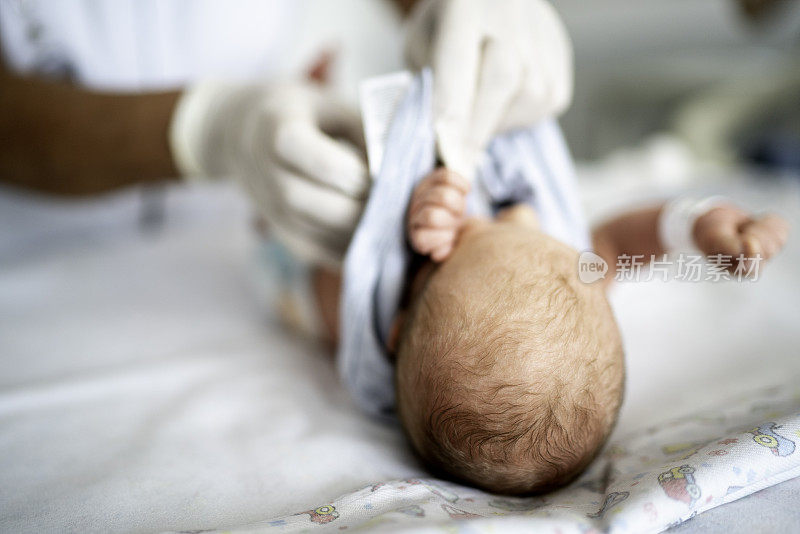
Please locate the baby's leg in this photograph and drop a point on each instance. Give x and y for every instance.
(303, 297)
(435, 214)
(327, 286)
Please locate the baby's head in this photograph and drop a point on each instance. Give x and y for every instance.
(509, 369)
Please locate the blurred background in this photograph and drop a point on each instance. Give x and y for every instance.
(714, 73)
(718, 77)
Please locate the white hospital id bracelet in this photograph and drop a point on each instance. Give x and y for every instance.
(677, 220)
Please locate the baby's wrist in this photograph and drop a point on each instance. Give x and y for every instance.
(678, 218)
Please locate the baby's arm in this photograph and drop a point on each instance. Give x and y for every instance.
(436, 213)
(724, 229)
(633, 233)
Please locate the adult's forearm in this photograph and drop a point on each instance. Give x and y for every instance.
(59, 138)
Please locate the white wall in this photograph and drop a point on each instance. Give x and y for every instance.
(637, 60)
(601, 28)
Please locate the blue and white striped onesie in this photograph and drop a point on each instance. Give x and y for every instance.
(530, 165)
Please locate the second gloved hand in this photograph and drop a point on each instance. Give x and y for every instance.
(297, 149)
(497, 65)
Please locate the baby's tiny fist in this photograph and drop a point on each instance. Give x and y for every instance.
(765, 236)
(436, 213)
(730, 231)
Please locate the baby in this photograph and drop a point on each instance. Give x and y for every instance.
(509, 370)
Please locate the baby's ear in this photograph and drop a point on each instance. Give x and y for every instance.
(394, 332)
(520, 214)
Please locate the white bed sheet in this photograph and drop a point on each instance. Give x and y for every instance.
(144, 386)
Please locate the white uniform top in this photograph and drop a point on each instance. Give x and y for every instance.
(529, 166)
(138, 45)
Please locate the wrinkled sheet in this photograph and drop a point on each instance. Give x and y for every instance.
(145, 387)
(645, 481)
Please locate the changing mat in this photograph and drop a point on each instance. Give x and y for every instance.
(643, 482)
(144, 390)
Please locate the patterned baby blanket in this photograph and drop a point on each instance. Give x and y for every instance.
(646, 481)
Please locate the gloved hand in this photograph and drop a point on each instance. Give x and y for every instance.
(297, 149)
(497, 64)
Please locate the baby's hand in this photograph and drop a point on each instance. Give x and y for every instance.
(436, 213)
(731, 231)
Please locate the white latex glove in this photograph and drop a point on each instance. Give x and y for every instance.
(297, 149)
(497, 65)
